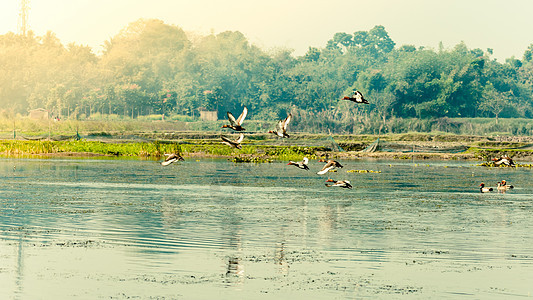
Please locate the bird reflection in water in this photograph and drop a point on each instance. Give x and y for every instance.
(280, 260)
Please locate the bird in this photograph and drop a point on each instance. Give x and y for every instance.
(236, 143)
(330, 164)
(484, 189)
(507, 187)
(236, 124)
(281, 129)
(501, 188)
(356, 97)
(301, 164)
(504, 160)
(341, 183)
(170, 158)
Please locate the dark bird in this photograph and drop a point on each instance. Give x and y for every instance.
(170, 158)
(341, 183)
(236, 124)
(236, 143)
(301, 164)
(330, 165)
(281, 129)
(484, 189)
(356, 97)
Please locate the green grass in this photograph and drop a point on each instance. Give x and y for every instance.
(153, 149)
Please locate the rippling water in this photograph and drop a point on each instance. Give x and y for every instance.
(211, 229)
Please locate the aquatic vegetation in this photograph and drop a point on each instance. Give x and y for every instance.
(491, 164)
(251, 153)
(362, 171)
(251, 159)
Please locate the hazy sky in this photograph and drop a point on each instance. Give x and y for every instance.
(505, 26)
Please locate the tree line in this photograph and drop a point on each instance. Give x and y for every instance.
(151, 67)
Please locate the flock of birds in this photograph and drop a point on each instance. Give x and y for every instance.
(280, 131)
(502, 186)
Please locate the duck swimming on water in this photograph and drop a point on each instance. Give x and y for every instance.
(484, 189)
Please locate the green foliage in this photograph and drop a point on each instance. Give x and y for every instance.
(152, 69)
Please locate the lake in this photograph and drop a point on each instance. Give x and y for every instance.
(213, 229)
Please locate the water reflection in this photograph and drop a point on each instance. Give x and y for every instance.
(266, 230)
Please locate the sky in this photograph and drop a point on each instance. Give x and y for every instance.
(504, 26)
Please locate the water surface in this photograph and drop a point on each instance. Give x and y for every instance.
(212, 229)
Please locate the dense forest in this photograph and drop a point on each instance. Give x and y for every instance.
(154, 68)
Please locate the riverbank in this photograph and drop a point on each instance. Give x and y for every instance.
(259, 147)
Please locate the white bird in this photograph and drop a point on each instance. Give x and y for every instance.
(236, 124)
(330, 164)
(484, 189)
(170, 158)
(341, 183)
(356, 97)
(301, 164)
(281, 129)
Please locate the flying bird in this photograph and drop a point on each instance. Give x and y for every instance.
(301, 164)
(504, 160)
(356, 97)
(170, 158)
(281, 129)
(235, 143)
(341, 183)
(330, 165)
(236, 124)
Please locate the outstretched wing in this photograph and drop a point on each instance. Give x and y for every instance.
(225, 140)
(286, 121)
(231, 119)
(242, 116)
(279, 126)
(330, 165)
(239, 140)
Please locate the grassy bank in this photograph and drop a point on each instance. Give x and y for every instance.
(152, 149)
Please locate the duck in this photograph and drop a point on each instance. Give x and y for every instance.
(170, 158)
(236, 124)
(340, 183)
(504, 160)
(507, 187)
(282, 127)
(356, 97)
(501, 188)
(484, 189)
(330, 164)
(235, 143)
(301, 164)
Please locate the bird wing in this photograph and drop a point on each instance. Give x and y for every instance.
(326, 168)
(286, 121)
(242, 116)
(168, 161)
(231, 119)
(305, 160)
(279, 127)
(239, 140)
(226, 140)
